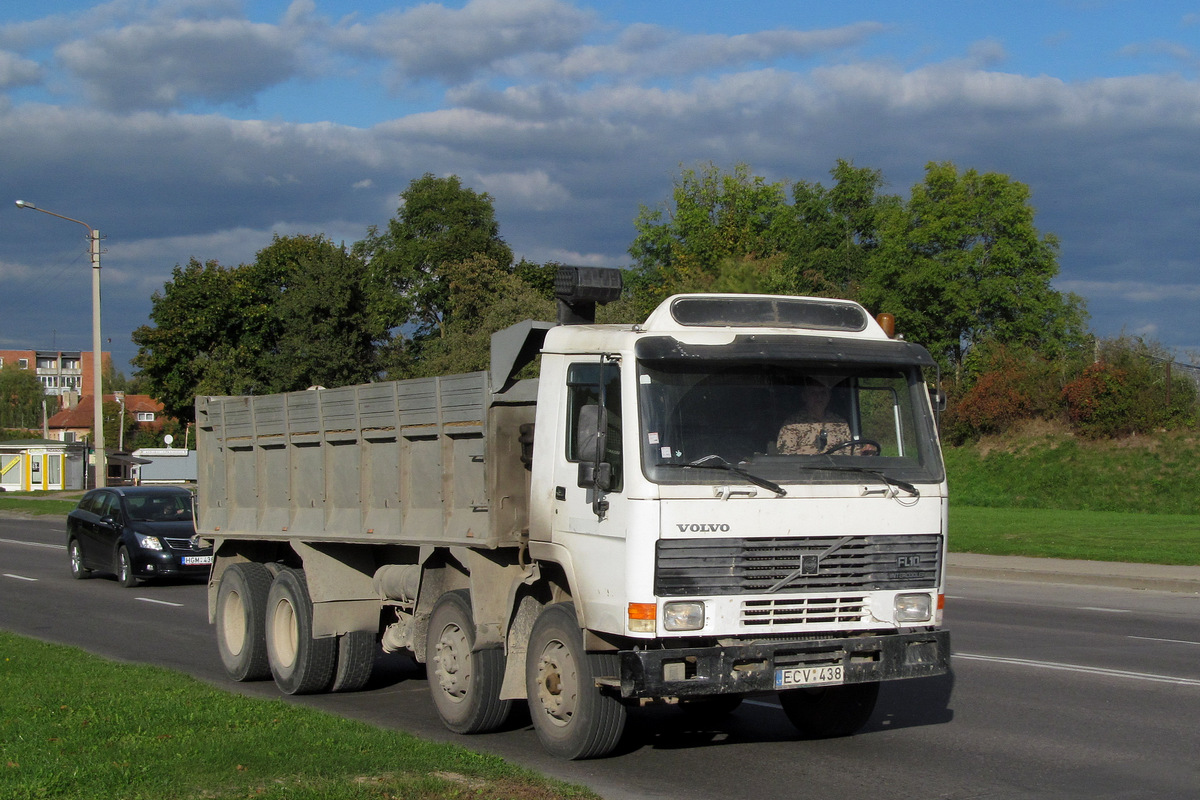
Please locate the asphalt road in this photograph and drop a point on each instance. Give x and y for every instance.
(1058, 692)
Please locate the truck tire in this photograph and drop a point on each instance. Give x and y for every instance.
(241, 621)
(828, 712)
(573, 718)
(464, 682)
(355, 661)
(75, 552)
(299, 663)
(124, 570)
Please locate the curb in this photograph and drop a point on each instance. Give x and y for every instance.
(1111, 574)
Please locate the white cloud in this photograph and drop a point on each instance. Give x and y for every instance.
(16, 71)
(452, 45)
(161, 66)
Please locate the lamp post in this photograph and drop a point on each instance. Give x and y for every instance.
(97, 384)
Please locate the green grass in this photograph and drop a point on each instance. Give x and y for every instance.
(39, 503)
(1046, 494)
(1150, 475)
(73, 725)
(1087, 535)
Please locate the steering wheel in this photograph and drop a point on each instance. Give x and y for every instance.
(855, 443)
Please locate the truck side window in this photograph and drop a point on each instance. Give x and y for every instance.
(587, 383)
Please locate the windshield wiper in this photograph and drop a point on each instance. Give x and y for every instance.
(899, 484)
(716, 462)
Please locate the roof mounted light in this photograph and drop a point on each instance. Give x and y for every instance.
(579, 289)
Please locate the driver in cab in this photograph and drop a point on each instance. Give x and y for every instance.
(814, 429)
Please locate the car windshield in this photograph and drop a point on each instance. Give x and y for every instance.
(785, 422)
(160, 508)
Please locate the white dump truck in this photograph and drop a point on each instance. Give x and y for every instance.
(662, 515)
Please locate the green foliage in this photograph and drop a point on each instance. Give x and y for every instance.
(1130, 390)
(297, 316)
(962, 262)
(439, 223)
(21, 395)
(714, 219)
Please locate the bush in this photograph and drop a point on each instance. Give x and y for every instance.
(1100, 402)
(1001, 387)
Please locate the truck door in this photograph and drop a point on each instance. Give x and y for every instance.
(590, 510)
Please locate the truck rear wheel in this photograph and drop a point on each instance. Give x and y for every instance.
(464, 682)
(299, 663)
(572, 717)
(828, 712)
(241, 621)
(355, 661)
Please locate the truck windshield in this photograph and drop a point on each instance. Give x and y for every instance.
(787, 423)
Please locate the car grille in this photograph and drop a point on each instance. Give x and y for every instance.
(804, 611)
(181, 544)
(797, 564)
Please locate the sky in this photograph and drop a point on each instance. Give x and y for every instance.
(200, 128)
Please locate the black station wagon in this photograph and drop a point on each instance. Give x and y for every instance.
(138, 532)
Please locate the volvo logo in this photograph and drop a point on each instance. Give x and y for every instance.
(702, 527)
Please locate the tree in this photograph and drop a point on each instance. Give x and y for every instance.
(21, 396)
(716, 223)
(439, 223)
(295, 317)
(831, 233)
(962, 262)
(323, 329)
(192, 345)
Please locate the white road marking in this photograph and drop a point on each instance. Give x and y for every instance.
(1111, 673)
(1105, 610)
(159, 602)
(19, 577)
(35, 544)
(1171, 641)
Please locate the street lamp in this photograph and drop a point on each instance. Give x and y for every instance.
(97, 386)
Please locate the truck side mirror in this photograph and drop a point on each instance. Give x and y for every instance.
(591, 430)
(938, 399)
(595, 476)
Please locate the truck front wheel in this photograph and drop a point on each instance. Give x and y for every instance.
(828, 712)
(299, 663)
(464, 682)
(572, 717)
(241, 620)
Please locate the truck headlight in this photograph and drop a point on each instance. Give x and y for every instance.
(683, 616)
(913, 608)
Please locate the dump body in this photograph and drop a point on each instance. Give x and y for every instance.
(396, 462)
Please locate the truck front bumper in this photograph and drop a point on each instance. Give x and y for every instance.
(749, 668)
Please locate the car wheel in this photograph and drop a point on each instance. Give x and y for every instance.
(78, 570)
(299, 663)
(125, 574)
(573, 718)
(241, 621)
(464, 682)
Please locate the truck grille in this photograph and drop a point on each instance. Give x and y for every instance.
(796, 564)
(804, 611)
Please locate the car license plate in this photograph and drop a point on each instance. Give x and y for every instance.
(797, 677)
(191, 561)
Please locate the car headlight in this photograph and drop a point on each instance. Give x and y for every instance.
(913, 608)
(148, 542)
(683, 616)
